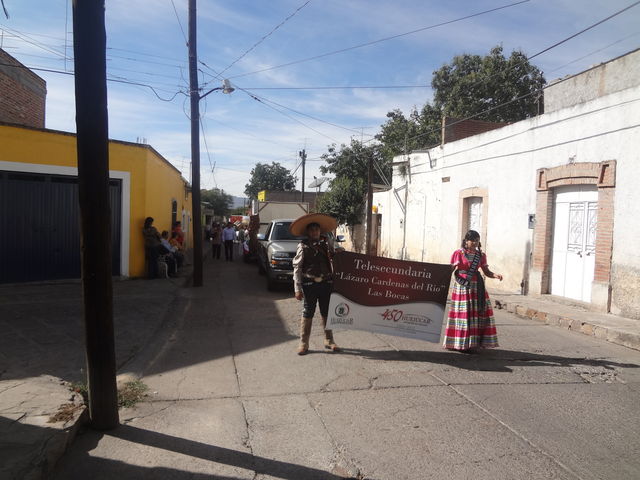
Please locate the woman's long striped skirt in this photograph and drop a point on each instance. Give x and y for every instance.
(469, 324)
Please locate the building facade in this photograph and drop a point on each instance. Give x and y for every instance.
(39, 209)
(553, 196)
(22, 93)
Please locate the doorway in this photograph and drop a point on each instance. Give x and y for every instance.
(574, 241)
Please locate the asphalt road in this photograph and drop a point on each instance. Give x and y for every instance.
(230, 399)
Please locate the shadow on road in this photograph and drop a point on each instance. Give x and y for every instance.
(89, 466)
(495, 360)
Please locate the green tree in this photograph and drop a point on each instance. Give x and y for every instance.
(218, 200)
(403, 135)
(272, 177)
(353, 161)
(472, 84)
(349, 164)
(469, 85)
(345, 199)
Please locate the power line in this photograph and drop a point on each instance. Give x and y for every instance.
(258, 99)
(470, 117)
(585, 30)
(345, 87)
(342, 50)
(309, 116)
(594, 52)
(34, 42)
(179, 23)
(114, 80)
(265, 36)
(206, 147)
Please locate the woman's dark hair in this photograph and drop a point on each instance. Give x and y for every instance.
(473, 236)
(312, 224)
(148, 221)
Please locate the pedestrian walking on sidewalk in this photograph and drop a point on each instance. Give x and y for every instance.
(216, 242)
(228, 237)
(470, 322)
(313, 274)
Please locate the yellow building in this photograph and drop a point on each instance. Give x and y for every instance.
(39, 219)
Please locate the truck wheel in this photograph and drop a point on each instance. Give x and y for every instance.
(261, 270)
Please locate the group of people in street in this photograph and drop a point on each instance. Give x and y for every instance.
(163, 247)
(228, 236)
(470, 322)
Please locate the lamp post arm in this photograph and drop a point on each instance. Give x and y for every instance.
(212, 90)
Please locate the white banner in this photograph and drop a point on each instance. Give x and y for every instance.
(422, 321)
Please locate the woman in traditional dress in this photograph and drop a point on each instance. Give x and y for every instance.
(470, 323)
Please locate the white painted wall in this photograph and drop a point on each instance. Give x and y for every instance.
(504, 162)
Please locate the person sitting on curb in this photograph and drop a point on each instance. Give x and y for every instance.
(313, 274)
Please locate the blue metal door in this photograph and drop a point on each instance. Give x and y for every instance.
(40, 227)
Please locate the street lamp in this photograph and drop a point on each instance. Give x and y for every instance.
(226, 88)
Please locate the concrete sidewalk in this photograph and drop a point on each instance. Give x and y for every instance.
(42, 356)
(561, 313)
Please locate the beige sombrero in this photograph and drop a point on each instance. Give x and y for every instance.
(299, 226)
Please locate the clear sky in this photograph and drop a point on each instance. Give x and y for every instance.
(146, 42)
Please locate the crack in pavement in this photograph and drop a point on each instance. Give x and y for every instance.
(140, 417)
(339, 457)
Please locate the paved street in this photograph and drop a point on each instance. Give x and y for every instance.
(229, 399)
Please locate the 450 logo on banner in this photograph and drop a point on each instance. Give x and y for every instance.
(392, 315)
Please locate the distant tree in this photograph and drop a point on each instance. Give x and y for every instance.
(469, 85)
(352, 161)
(272, 177)
(403, 135)
(218, 200)
(346, 195)
(345, 199)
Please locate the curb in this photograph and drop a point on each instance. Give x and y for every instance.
(604, 332)
(35, 464)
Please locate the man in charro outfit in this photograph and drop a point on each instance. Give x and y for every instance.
(313, 274)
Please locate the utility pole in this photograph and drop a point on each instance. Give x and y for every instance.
(368, 250)
(195, 146)
(303, 156)
(89, 48)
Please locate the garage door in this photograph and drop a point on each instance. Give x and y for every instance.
(40, 227)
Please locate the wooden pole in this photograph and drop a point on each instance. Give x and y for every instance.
(89, 40)
(195, 146)
(368, 250)
(303, 156)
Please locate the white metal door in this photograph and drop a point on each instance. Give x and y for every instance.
(574, 241)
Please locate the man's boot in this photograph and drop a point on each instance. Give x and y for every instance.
(329, 343)
(305, 332)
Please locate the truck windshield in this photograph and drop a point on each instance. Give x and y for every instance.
(281, 232)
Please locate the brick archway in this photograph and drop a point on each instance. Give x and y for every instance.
(603, 176)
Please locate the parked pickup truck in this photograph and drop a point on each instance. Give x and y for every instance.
(276, 249)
